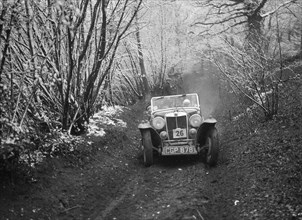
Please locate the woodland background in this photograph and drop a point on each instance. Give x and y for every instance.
(62, 61)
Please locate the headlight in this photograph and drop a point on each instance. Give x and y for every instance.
(195, 120)
(158, 123)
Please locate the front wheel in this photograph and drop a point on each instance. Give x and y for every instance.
(147, 148)
(212, 144)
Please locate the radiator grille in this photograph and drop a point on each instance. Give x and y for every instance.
(175, 122)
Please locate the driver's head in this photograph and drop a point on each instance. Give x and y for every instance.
(186, 103)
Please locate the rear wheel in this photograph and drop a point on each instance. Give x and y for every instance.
(147, 148)
(212, 144)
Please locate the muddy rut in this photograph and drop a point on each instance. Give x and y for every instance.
(171, 189)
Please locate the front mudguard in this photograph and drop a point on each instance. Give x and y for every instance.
(203, 129)
(155, 138)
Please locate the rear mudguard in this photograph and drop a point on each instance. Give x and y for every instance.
(203, 129)
(156, 140)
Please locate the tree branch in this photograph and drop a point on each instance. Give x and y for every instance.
(276, 9)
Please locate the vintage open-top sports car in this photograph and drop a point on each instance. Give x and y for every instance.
(177, 127)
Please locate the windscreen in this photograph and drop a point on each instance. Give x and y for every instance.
(166, 102)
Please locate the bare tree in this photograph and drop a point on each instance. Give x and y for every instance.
(57, 63)
(240, 14)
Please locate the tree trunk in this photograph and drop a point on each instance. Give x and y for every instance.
(146, 94)
(69, 77)
(255, 31)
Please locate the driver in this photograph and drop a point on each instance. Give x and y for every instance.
(186, 103)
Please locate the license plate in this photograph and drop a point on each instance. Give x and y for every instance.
(178, 150)
(179, 133)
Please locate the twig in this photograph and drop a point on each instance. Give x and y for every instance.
(74, 207)
(199, 214)
(19, 97)
(26, 108)
(74, 119)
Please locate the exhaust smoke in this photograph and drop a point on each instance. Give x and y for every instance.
(201, 79)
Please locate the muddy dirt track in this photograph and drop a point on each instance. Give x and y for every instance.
(172, 189)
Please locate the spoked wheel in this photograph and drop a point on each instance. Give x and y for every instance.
(212, 144)
(147, 148)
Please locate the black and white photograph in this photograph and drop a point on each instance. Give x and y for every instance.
(151, 109)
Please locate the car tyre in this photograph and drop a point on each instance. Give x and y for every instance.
(147, 148)
(212, 144)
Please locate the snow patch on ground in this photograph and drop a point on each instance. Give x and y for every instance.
(105, 117)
